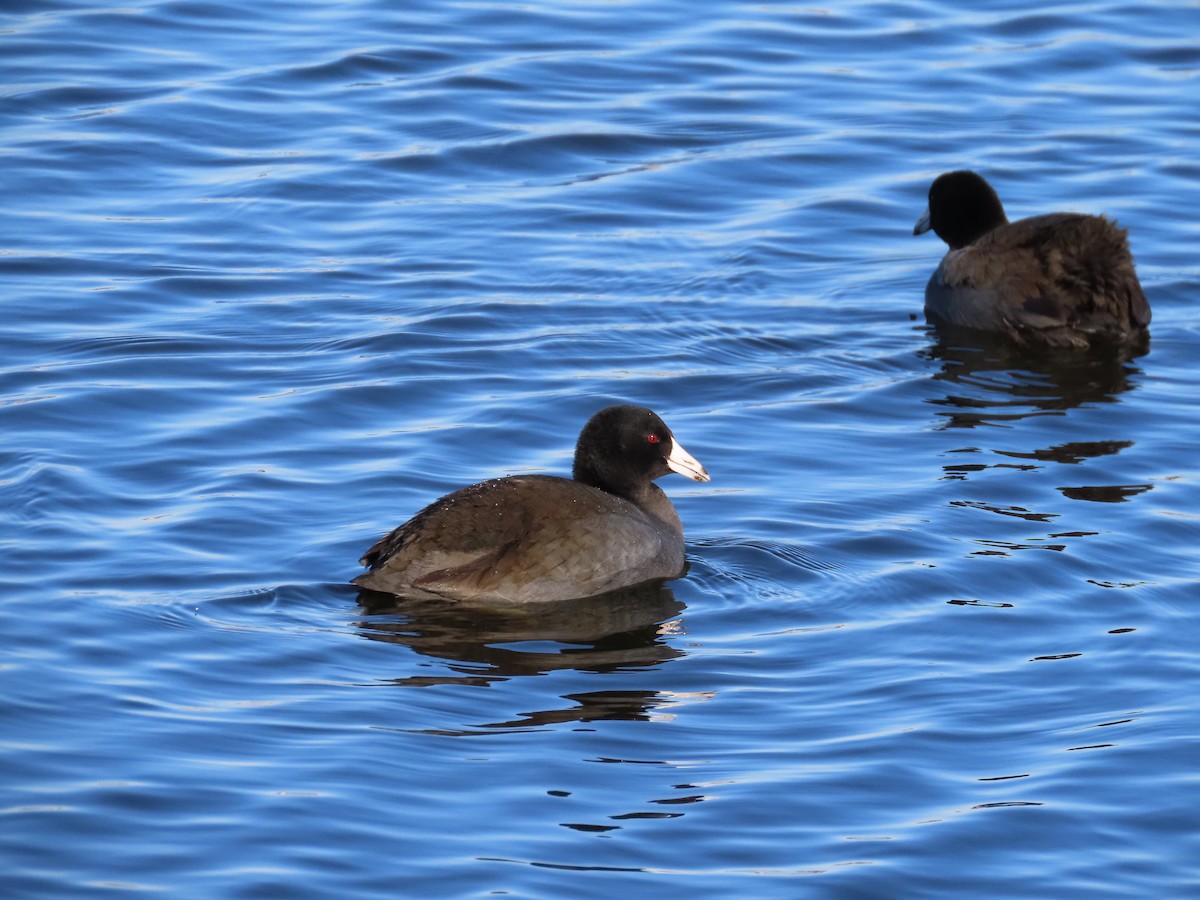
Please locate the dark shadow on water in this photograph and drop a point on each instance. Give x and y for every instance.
(592, 706)
(1105, 493)
(990, 381)
(621, 629)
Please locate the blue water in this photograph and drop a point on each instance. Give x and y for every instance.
(276, 275)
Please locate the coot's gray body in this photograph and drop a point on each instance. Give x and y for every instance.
(540, 538)
(1057, 280)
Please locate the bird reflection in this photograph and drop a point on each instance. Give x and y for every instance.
(593, 706)
(1105, 493)
(990, 381)
(620, 629)
(1071, 452)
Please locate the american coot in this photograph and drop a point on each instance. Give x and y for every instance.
(1059, 280)
(539, 538)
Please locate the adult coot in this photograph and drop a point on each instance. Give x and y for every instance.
(538, 538)
(1059, 280)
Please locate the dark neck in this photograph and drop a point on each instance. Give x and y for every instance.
(611, 482)
(971, 231)
(644, 494)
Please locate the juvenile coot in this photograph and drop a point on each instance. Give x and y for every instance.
(1058, 280)
(539, 538)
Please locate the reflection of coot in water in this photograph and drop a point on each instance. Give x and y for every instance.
(540, 538)
(620, 628)
(1105, 493)
(989, 380)
(1060, 280)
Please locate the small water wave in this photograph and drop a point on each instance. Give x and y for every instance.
(278, 276)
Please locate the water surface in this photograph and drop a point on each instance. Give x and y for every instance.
(277, 276)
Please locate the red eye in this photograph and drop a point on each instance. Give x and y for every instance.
(652, 438)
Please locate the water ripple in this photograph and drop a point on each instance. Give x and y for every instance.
(278, 276)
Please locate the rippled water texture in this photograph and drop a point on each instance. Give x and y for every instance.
(278, 274)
